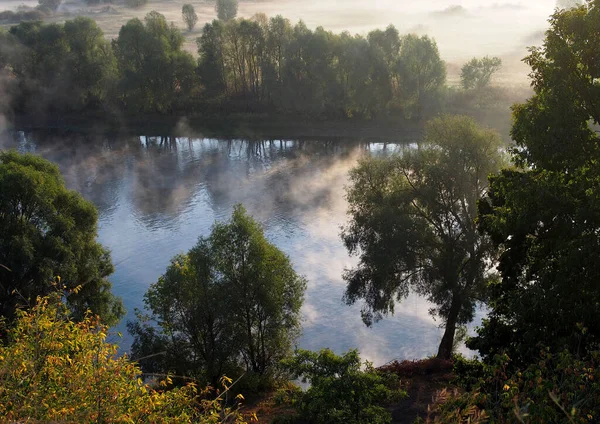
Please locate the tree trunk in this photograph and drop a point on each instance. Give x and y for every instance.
(445, 349)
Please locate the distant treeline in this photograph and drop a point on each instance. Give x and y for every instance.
(257, 65)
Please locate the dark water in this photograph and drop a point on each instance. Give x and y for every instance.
(156, 196)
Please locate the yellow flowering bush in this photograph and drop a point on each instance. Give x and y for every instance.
(55, 369)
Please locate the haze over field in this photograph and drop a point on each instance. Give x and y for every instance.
(462, 28)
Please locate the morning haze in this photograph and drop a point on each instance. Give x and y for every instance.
(391, 202)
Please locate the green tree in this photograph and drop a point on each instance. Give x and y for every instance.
(233, 301)
(544, 215)
(60, 67)
(156, 74)
(412, 223)
(49, 4)
(48, 231)
(189, 16)
(477, 73)
(421, 73)
(341, 391)
(135, 3)
(226, 9)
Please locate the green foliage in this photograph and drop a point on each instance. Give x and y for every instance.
(57, 370)
(544, 216)
(262, 63)
(412, 224)
(226, 9)
(421, 72)
(245, 65)
(189, 16)
(155, 72)
(233, 301)
(555, 388)
(68, 66)
(49, 4)
(340, 391)
(47, 231)
(477, 73)
(135, 3)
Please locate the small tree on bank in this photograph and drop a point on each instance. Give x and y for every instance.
(226, 9)
(232, 302)
(189, 16)
(412, 223)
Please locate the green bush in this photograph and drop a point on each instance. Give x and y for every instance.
(557, 388)
(340, 391)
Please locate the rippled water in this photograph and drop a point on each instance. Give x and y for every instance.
(156, 196)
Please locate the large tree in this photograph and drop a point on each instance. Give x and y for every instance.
(47, 231)
(544, 216)
(412, 224)
(155, 71)
(232, 301)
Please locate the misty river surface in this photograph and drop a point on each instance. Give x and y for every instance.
(157, 195)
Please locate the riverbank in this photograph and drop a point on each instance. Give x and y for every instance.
(246, 126)
(428, 383)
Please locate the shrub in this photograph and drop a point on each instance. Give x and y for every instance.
(56, 369)
(557, 388)
(340, 390)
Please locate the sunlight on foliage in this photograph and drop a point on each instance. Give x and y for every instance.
(55, 369)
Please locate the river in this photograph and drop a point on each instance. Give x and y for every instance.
(157, 195)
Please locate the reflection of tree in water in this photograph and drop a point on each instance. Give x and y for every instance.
(88, 163)
(162, 177)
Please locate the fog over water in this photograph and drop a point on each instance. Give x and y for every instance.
(156, 196)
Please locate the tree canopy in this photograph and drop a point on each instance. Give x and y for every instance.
(544, 215)
(226, 9)
(155, 71)
(412, 224)
(47, 231)
(189, 16)
(232, 302)
(477, 73)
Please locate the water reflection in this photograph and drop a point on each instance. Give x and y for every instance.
(157, 195)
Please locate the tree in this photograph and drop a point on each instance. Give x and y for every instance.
(421, 73)
(226, 9)
(477, 73)
(48, 231)
(412, 224)
(135, 3)
(232, 301)
(51, 5)
(341, 391)
(155, 71)
(544, 215)
(189, 16)
(57, 370)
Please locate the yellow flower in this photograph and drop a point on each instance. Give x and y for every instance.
(506, 387)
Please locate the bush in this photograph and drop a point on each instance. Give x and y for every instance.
(56, 369)
(557, 388)
(340, 391)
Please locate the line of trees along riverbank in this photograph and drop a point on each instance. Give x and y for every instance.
(245, 65)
